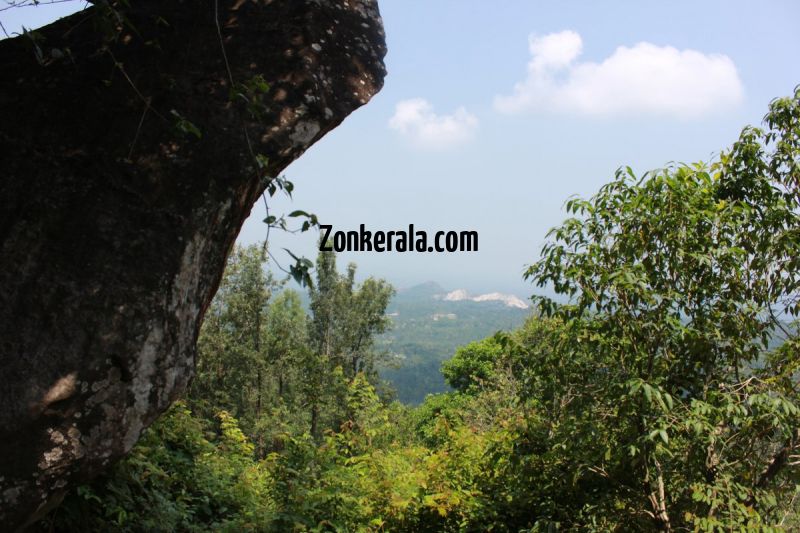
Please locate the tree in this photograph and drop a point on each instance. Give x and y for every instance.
(472, 364)
(133, 149)
(673, 407)
(287, 339)
(345, 318)
(233, 368)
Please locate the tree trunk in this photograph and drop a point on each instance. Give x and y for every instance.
(127, 166)
(314, 420)
(259, 379)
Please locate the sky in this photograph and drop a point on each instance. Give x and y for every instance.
(494, 113)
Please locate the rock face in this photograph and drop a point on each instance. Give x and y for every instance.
(509, 300)
(127, 166)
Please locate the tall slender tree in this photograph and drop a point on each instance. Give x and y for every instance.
(233, 361)
(346, 317)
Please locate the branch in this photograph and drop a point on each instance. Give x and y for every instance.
(776, 464)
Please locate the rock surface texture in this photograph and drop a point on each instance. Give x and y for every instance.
(127, 166)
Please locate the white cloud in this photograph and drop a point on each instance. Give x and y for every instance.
(642, 79)
(416, 120)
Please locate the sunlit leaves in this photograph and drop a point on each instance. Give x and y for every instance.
(675, 286)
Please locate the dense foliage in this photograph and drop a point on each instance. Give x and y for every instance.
(660, 393)
(272, 366)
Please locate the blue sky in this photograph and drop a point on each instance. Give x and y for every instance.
(508, 108)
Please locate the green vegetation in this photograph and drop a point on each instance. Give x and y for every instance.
(420, 344)
(275, 368)
(660, 395)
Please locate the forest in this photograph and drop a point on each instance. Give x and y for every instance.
(426, 330)
(658, 391)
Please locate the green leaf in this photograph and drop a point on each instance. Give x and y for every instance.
(184, 126)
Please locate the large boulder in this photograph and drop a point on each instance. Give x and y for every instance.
(128, 162)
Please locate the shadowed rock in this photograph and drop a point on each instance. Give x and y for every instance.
(125, 176)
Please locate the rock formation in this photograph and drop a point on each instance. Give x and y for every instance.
(131, 150)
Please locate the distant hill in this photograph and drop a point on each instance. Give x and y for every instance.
(429, 323)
